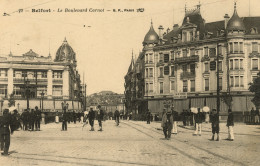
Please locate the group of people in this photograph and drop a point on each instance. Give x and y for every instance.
(254, 116)
(31, 119)
(170, 118)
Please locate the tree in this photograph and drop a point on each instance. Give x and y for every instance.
(255, 88)
(11, 101)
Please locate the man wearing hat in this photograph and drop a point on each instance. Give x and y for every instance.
(215, 124)
(37, 119)
(100, 115)
(5, 126)
(167, 123)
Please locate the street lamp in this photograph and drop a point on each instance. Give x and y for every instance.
(27, 92)
(42, 95)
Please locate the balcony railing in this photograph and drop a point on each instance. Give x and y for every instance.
(4, 79)
(31, 80)
(185, 75)
(193, 58)
(58, 80)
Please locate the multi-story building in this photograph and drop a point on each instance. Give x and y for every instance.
(37, 77)
(180, 65)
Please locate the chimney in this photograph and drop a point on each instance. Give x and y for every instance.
(226, 19)
(160, 31)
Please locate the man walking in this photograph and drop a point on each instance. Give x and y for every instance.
(148, 116)
(117, 115)
(167, 123)
(32, 119)
(91, 118)
(215, 124)
(37, 119)
(5, 126)
(100, 115)
(64, 119)
(198, 121)
(230, 125)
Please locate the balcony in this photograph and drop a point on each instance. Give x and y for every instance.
(57, 80)
(187, 75)
(31, 80)
(193, 58)
(3, 79)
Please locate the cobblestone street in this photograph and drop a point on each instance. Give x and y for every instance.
(131, 143)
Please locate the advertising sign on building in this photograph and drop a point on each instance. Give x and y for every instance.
(180, 95)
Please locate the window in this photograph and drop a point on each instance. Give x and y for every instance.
(212, 52)
(220, 50)
(184, 68)
(241, 80)
(146, 58)
(166, 58)
(184, 53)
(3, 90)
(236, 48)
(254, 47)
(151, 87)
(150, 72)
(161, 87)
(146, 88)
(241, 64)
(44, 74)
(207, 84)
(192, 68)
(172, 70)
(220, 66)
(206, 49)
(192, 51)
(41, 89)
(146, 72)
(191, 36)
(254, 64)
(172, 85)
(220, 83)
(231, 64)
(3, 73)
(184, 37)
(236, 64)
(57, 74)
(161, 72)
(241, 49)
(236, 81)
(161, 58)
(231, 47)
(172, 55)
(17, 91)
(185, 86)
(166, 70)
(206, 67)
(150, 58)
(192, 85)
(57, 90)
(231, 81)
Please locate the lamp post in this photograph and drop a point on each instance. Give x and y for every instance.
(27, 92)
(42, 96)
(218, 90)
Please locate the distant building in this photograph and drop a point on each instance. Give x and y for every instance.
(179, 65)
(39, 77)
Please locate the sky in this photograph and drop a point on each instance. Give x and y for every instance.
(104, 45)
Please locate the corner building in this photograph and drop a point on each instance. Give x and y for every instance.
(180, 65)
(55, 81)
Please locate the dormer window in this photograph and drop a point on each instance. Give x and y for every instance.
(184, 37)
(253, 31)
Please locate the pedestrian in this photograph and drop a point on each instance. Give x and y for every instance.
(5, 126)
(167, 123)
(252, 113)
(32, 119)
(214, 124)
(37, 119)
(64, 119)
(117, 115)
(175, 120)
(183, 117)
(25, 119)
(57, 117)
(148, 116)
(100, 115)
(198, 121)
(91, 118)
(257, 116)
(230, 125)
(74, 116)
(191, 117)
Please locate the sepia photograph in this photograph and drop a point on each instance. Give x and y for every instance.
(129, 82)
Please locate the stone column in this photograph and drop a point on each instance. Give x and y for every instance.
(10, 82)
(49, 85)
(65, 89)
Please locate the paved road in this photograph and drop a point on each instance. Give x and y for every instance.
(131, 143)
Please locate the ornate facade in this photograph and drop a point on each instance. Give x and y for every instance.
(37, 77)
(181, 65)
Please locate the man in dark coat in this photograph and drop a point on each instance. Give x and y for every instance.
(37, 119)
(32, 119)
(64, 119)
(215, 124)
(25, 119)
(167, 123)
(91, 118)
(198, 120)
(100, 116)
(5, 126)
(117, 115)
(230, 125)
(148, 116)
